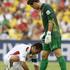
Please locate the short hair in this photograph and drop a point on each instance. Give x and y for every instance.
(30, 2)
(38, 46)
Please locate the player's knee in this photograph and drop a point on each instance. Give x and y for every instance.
(58, 52)
(45, 55)
(14, 58)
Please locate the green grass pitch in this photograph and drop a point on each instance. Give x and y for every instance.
(51, 66)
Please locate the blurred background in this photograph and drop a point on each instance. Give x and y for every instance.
(20, 22)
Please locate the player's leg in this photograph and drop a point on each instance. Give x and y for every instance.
(36, 66)
(56, 47)
(44, 61)
(15, 58)
(9, 60)
(60, 59)
(16, 66)
(35, 62)
(45, 54)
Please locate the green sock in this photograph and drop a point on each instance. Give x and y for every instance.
(62, 62)
(43, 64)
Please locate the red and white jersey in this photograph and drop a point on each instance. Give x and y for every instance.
(20, 50)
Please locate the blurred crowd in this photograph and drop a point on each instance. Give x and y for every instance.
(19, 21)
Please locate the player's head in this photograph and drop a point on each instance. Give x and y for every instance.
(36, 48)
(34, 3)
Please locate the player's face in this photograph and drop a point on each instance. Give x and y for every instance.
(35, 51)
(36, 5)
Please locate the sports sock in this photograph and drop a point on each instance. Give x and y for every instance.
(62, 62)
(43, 64)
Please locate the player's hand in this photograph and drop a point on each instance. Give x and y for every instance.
(42, 35)
(29, 56)
(48, 37)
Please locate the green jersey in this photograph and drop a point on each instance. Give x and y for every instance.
(48, 15)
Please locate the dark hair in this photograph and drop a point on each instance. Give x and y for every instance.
(30, 2)
(38, 46)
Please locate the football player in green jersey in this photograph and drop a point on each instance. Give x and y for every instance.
(52, 37)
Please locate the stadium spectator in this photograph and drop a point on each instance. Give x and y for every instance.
(12, 11)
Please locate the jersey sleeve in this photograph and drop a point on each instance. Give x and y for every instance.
(50, 13)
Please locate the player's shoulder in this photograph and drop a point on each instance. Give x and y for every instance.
(26, 44)
(46, 7)
(45, 4)
(23, 45)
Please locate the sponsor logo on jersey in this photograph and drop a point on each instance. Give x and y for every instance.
(48, 12)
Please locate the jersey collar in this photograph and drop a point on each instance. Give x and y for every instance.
(42, 6)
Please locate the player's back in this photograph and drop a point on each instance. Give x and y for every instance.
(48, 15)
(17, 49)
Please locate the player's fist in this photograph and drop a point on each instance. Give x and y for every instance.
(42, 35)
(48, 37)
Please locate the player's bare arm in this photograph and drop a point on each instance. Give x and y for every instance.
(14, 58)
(24, 65)
(50, 26)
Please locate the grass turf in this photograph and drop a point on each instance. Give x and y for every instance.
(51, 66)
